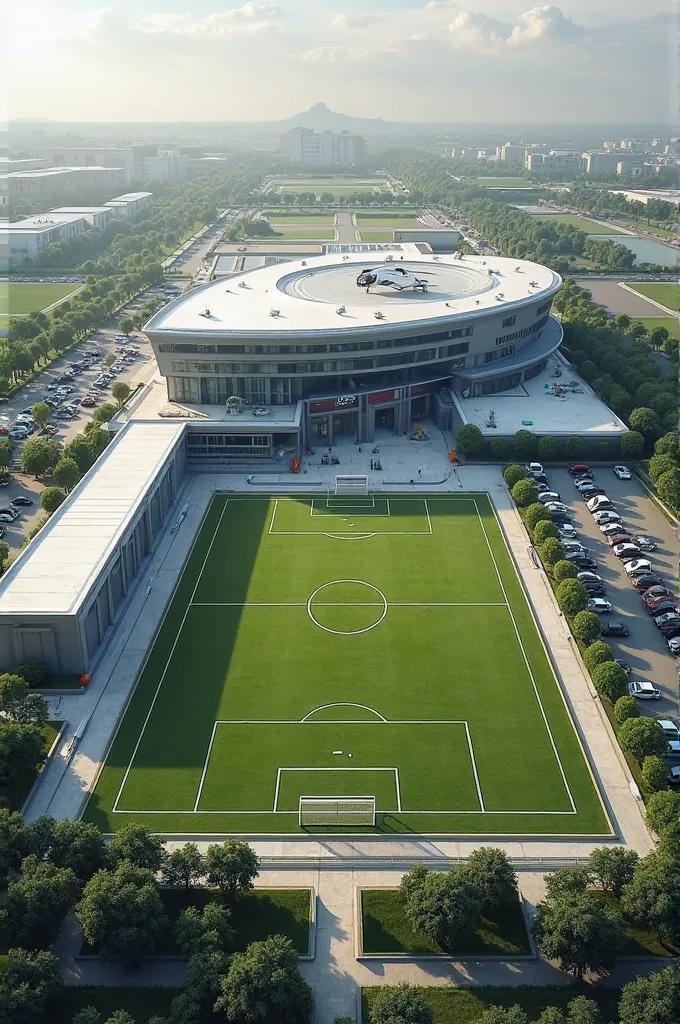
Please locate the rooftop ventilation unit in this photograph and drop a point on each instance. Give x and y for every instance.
(378, 315)
(340, 310)
(275, 312)
(204, 312)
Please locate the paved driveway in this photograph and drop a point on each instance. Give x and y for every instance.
(645, 649)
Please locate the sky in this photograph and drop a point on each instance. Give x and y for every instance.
(406, 60)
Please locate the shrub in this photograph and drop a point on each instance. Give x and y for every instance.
(524, 493)
(632, 443)
(470, 439)
(660, 464)
(625, 707)
(535, 514)
(586, 626)
(525, 443)
(668, 487)
(563, 570)
(597, 654)
(669, 444)
(501, 448)
(663, 810)
(572, 597)
(610, 679)
(551, 552)
(513, 473)
(574, 447)
(32, 670)
(548, 448)
(544, 528)
(641, 737)
(654, 770)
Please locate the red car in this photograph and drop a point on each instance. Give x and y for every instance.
(579, 468)
(618, 538)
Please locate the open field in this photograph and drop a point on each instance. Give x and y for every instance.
(326, 184)
(399, 217)
(452, 1005)
(665, 292)
(388, 222)
(377, 235)
(653, 229)
(504, 183)
(285, 219)
(26, 297)
(349, 647)
(671, 324)
(582, 223)
(289, 234)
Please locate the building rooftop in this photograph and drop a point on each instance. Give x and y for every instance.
(531, 406)
(55, 572)
(321, 294)
(131, 197)
(44, 221)
(80, 209)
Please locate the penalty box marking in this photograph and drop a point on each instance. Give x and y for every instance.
(279, 771)
(338, 515)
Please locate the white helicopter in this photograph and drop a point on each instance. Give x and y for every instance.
(391, 276)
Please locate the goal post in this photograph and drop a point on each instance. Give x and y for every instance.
(351, 484)
(336, 810)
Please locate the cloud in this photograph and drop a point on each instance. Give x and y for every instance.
(351, 22)
(335, 54)
(252, 17)
(544, 23)
(482, 32)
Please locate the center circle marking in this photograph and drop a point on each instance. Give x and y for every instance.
(347, 632)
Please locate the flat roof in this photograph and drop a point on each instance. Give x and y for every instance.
(55, 572)
(43, 221)
(130, 197)
(321, 294)
(81, 209)
(531, 406)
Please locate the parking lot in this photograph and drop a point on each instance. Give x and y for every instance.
(645, 648)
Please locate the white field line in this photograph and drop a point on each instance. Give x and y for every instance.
(382, 811)
(205, 766)
(349, 604)
(271, 524)
(169, 658)
(279, 772)
(427, 513)
(526, 662)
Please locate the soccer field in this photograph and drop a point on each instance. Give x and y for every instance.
(349, 647)
(26, 297)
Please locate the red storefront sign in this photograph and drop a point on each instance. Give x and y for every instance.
(418, 389)
(381, 396)
(332, 404)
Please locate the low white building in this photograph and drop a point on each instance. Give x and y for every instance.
(131, 204)
(21, 241)
(97, 216)
(646, 195)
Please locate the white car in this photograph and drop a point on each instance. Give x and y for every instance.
(599, 504)
(608, 515)
(535, 468)
(622, 472)
(566, 530)
(387, 276)
(546, 497)
(574, 545)
(599, 605)
(643, 690)
(626, 550)
(609, 529)
(637, 566)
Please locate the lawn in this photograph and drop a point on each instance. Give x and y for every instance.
(27, 297)
(466, 1005)
(303, 233)
(398, 216)
(376, 236)
(669, 322)
(140, 1003)
(254, 916)
(330, 668)
(385, 929)
(17, 792)
(653, 229)
(665, 292)
(277, 219)
(638, 941)
(390, 223)
(582, 223)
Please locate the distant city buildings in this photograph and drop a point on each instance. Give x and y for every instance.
(562, 159)
(511, 154)
(305, 146)
(50, 184)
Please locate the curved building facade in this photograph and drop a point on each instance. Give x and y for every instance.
(359, 357)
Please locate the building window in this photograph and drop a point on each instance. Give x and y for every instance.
(490, 357)
(544, 308)
(183, 389)
(179, 367)
(457, 350)
(507, 351)
(509, 321)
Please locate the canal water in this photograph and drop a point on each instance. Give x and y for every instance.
(646, 250)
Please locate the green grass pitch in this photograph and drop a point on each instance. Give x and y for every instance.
(305, 630)
(28, 296)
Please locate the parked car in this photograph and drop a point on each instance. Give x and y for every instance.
(612, 529)
(657, 593)
(627, 668)
(674, 644)
(599, 503)
(626, 550)
(566, 530)
(591, 577)
(650, 579)
(582, 561)
(594, 589)
(674, 775)
(622, 472)
(637, 567)
(21, 500)
(534, 468)
(607, 515)
(599, 606)
(556, 506)
(660, 618)
(645, 543)
(558, 516)
(643, 690)
(614, 539)
(549, 496)
(663, 606)
(6, 519)
(589, 491)
(614, 627)
(574, 545)
(578, 468)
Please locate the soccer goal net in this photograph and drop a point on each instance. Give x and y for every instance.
(348, 484)
(336, 810)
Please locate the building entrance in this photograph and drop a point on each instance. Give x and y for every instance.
(384, 418)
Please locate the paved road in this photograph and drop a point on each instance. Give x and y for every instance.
(645, 648)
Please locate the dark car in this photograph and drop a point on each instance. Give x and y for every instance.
(21, 500)
(579, 468)
(540, 478)
(592, 492)
(594, 589)
(614, 627)
(558, 516)
(674, 776)
(662, 607)
(657, 593)
(582, 561)
(670, 633)
(624, 665)
(649, 579)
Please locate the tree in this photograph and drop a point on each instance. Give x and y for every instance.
(22, 749)
(136, 844)
(231, 866)
(265, 984)
(400, 1004)
(78, 845)
(14, 842)
(31, 669)
(121, 392)
(110, 358)
(564, 570)
(121, 912)
(37, 904)
(500, 448)
(80, 450)
(669, 444)
(183, 866)
(470, 440)
(504, 1015)
(51, 498)
(660, 464)
(597, 654)
(574, 447)
(39, 455)
(586, 627)
(514, 473)
(66, 473)
(524, 493)
(663, 810)
(668, 487)
(548, 448)
(652, 898)
(88, 1015)
(127, 326)
(654, 999)
(551, 552)
(535, 514)
(610, 679)
(579, 932)
(493, 876)
(18, 704)
(641, 737)
(525, 443)
(632, 443)
(41, 413)
(646, 422)
(613, 867)
(5, 452)
(104, 413)
(569, 881)
(443, 905)
(572, 596)
(655, 771)
(33, 982)
(202, 931)
(626, 707)
(544, 529)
